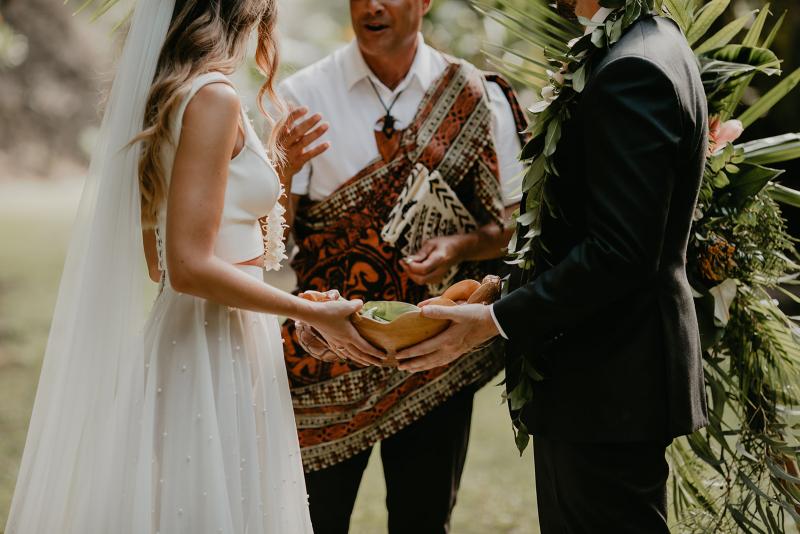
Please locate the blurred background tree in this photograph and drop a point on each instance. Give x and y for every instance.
(53, 65)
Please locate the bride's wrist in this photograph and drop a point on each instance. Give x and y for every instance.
(305, 310)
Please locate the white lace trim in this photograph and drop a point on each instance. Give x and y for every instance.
(272, 228)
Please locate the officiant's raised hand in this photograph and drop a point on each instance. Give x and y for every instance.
(472, 325)
(296, 133)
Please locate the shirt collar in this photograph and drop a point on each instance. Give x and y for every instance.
(356, 69)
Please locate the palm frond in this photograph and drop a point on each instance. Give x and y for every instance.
(707, 15)
(679, 10)
(774, 32)
(784, 195)
(770, 150)
(725, 35)
(754, 33)
(766, 102)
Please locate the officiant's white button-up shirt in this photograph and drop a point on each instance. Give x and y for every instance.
(338, 88)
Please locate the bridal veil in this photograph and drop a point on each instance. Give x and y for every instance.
(84, 433)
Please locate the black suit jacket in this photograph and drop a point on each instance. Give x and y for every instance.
(609, 318)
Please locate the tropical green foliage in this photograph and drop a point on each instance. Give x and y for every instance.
(740, 473)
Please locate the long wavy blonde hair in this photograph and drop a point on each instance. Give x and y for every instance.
(204, 36)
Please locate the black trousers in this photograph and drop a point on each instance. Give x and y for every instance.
(422, 465)
(597, 488)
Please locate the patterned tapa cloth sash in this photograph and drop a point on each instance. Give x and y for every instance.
(342, 409)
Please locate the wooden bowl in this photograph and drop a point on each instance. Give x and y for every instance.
(397, 325)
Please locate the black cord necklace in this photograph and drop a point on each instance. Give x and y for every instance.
(388, 128)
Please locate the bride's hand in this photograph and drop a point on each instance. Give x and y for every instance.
(332, 320)
(314, 344)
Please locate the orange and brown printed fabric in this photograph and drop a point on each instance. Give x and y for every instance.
(342, 409)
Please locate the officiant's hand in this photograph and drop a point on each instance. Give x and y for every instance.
(295, 135)
(472, 325)
(332, 320)
(434, 259)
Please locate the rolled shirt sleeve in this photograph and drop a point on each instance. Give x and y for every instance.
(507, 145)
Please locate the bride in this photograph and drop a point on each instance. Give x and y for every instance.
(185, 424)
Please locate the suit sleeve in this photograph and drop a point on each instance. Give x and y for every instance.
(630, 142)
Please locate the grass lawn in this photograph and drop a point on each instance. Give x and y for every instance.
(497, 489)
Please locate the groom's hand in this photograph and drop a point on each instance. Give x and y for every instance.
(472, 325)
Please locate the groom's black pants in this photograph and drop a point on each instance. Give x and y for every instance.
(595, 488)
(422, 466)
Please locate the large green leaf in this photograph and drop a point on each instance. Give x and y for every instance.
(772, 149)
(735, 60)
(784, 194)
(727, 70)
(754, 33)
(774, 33)
(766, 102)
(749, 181)
(679, 10)
(710, 332)
(705, 18)
(750, 39)
(725, 35)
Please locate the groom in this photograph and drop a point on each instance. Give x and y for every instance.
(608, 318)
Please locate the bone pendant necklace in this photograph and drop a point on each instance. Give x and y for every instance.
(388, 121)
(388, 137)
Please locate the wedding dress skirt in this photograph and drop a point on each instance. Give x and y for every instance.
(218, 422)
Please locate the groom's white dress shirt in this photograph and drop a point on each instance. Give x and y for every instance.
(338, 88)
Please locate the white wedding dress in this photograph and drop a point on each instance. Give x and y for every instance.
(218, 418)
(182, 425)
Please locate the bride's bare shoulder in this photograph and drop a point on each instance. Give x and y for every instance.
(215, 104)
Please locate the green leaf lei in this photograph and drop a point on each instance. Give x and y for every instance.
(559, 99)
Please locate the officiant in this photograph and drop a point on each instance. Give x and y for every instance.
(402, 167)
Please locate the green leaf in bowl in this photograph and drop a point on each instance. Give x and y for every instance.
(386, 311)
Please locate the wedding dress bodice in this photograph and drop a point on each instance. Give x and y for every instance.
(252, 192)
